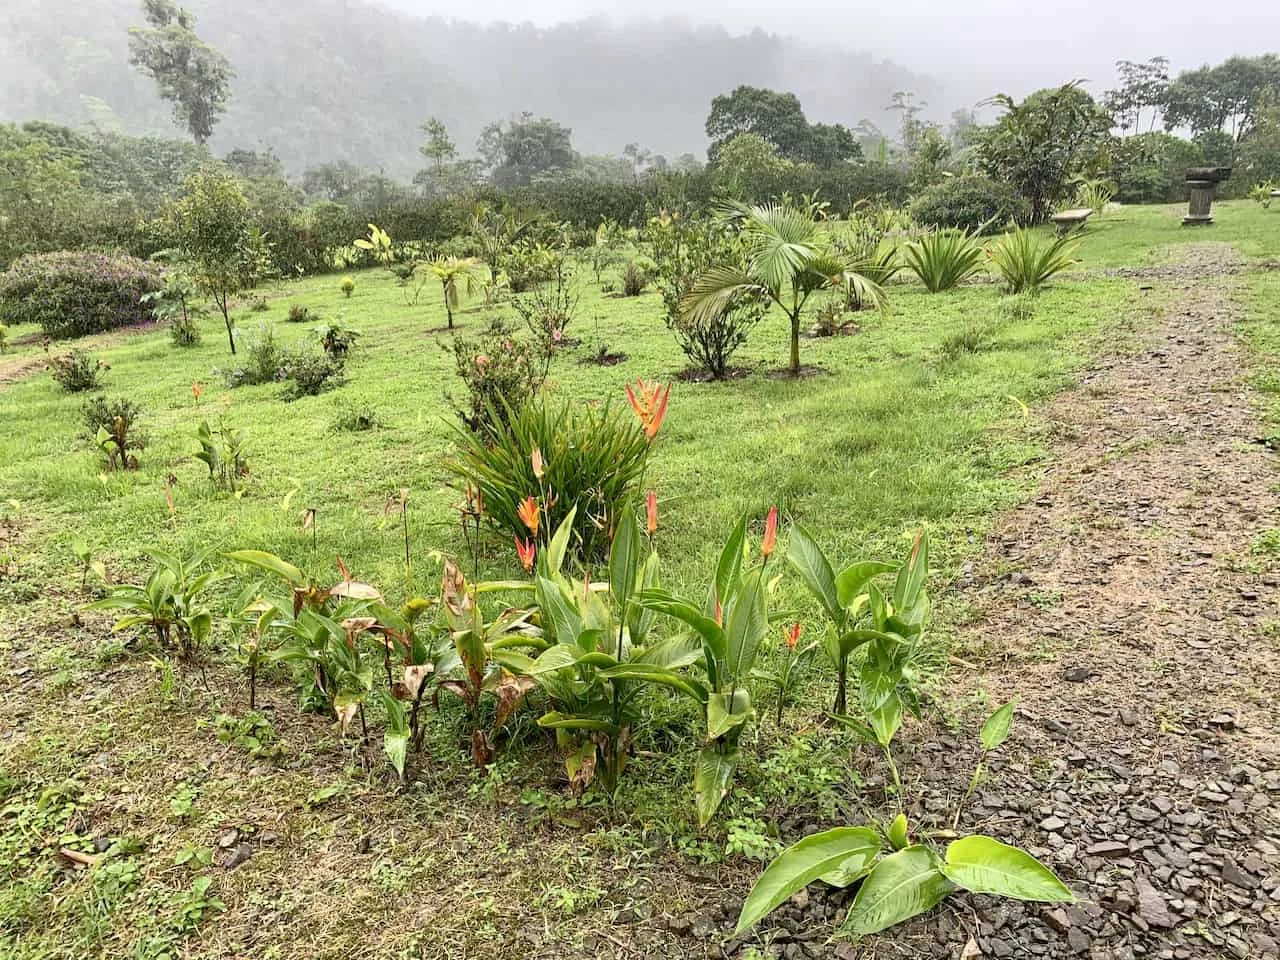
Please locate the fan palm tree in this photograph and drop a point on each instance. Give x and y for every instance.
(787, 258)
(459, 277)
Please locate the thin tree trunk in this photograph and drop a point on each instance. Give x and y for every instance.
(795, 344)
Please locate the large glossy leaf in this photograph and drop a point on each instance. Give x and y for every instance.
(560, 621)
(854, 578)
(852, 848)
(650, 673)
(808, 560)
(729, 566)
(711, 775)
(902, 885)
(271, 563)
(559, 721)
(711, 632)
(897, 832)
(624, 555)
(746, 625)
(983, 865)
(996, 729)
(912, 574)
(726, 711)
(551, 559)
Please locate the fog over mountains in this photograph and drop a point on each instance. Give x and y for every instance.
(321, 80)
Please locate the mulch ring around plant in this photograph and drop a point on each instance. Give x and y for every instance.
(604, 359)
(695, 375)
(806, 371)
(1122, 609)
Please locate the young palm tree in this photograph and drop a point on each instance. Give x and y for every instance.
(459, 277)
(787, 258)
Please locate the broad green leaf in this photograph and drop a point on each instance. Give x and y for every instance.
(897, 832)
(799, 865)
(856, 725)
(560, 620)
(729, 567)
(746, 624)
(711, 775)
(983, 865)
(710, 631)
(912, 574)
(553, 555)
(271, 563)
(902, 885)
(624, 555)
(854, 578)
(996, 729)
(726, 711)
(846, 643)
(560, 721)
(674, 652)
(651, 673)
(808, 560)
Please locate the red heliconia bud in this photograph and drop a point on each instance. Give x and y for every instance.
(651, 512)
(770, 533)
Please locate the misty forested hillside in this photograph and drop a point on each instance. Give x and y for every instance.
(321, 80)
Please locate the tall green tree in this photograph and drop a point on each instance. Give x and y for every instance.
(1142, 86)
(518, 151)
(190, 74)
(1223, 98)
(779, 119)
(1041, 144)
(787, 258)
(212, 222)
(439, 149)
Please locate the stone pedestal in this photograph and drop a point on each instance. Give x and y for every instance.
(1200, 209)
(1203, 183)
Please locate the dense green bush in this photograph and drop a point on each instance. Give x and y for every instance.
(968, 203)
(74, 294)
(1152, 167)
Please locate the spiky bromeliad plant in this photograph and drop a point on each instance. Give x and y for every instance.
(1027, 262)
(787, 258)
(898, 878)
(943, 259)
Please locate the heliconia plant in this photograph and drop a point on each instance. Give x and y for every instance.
(901, 878)
(599, 659)
(730, 626)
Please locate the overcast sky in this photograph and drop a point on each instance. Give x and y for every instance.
(974, 47)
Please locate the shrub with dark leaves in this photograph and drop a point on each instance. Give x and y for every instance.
(972, 203)
(501, 373)
(77, 371)
(73, 294)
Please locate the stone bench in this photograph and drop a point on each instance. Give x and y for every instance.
(1068, 220)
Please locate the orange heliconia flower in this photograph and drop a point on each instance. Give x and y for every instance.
(649, 401)
(770, 533)
(793, 636)
(528, 514)
(197, 388)
(651, 512)
(525, 550)
(536, 459)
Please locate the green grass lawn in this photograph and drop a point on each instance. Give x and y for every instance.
(925, 417)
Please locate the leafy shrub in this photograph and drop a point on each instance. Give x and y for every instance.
(335, 339)
(972, 203)
(301, 314)
(112, 425)
(830, 320)
(77, 371)
(591, 457)
(943, 258)
(74, 294)
(1027, 262)
(683, 249)
(548, 308)
(355, 417)
(308, 370)
(177, 303)
(348, 287)
(634, 280)
(259, 305)
(263, 358)
(4, 337)
(501, 373)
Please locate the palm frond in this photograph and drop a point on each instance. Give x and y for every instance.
(716, 290)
